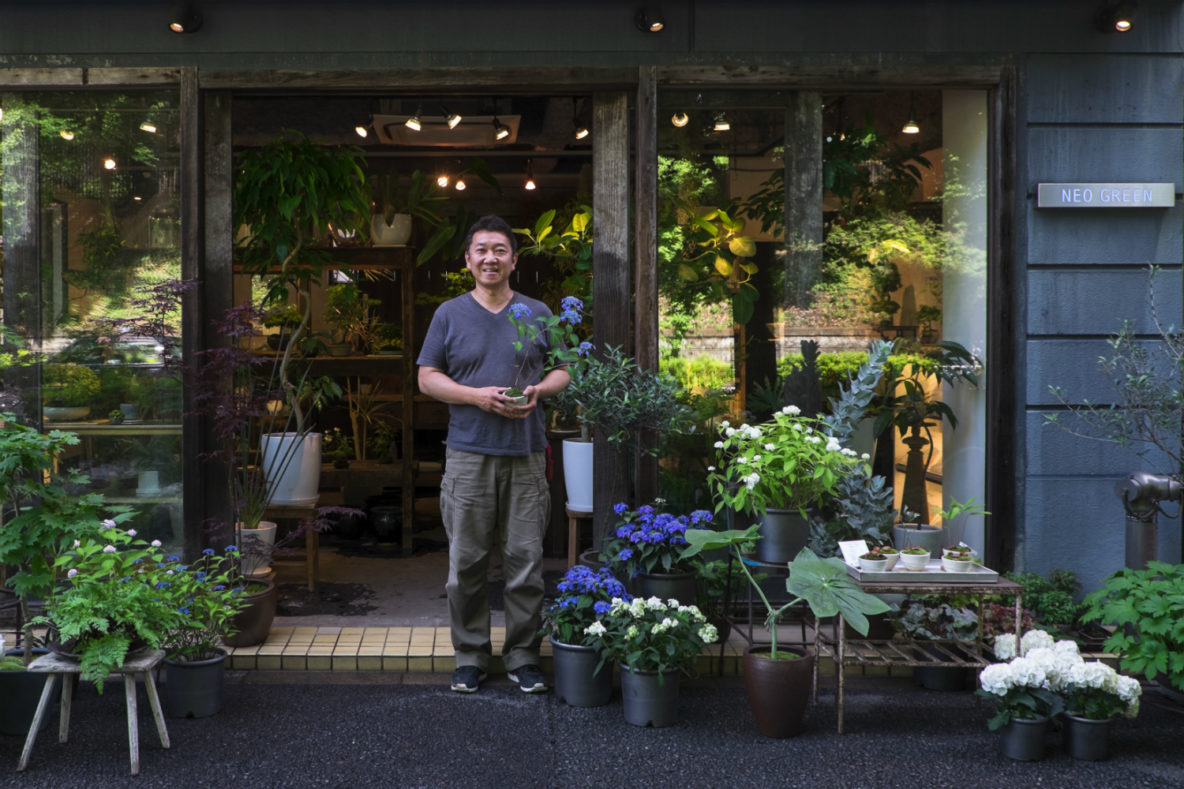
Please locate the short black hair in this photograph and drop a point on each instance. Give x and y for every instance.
(494, 224)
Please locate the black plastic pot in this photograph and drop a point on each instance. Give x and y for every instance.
(193, 689)
(19, 693)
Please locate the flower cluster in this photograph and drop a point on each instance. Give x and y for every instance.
(788, 462)
(207, 597)
(1048, 676)
(556, 335)
(652, 634)
(338, 445)
(648, 541)
(584, 596)
(112, 599)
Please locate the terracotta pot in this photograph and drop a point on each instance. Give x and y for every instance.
(778, 690)
(253, 623)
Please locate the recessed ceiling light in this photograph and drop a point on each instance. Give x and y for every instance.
(680, 119)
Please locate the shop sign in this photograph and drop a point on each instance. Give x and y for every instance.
(1099, 195)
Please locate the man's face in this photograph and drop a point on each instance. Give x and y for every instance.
(489, 257)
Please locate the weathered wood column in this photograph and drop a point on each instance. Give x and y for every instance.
(645, 218)
(803, 195)
(610, 283)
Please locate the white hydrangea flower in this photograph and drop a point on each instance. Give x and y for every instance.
(597, 628)
(632, 632)
(73, 572)
(725, 424)
(708, 634)
(1005, 646)
(770, 447)
(996, 678)
(814, 439)
(731, 431)
(751, 480)
(710, 469)
(1034, 639)
(655, 604)
(719, 445)
(756, 458)
(156, 543)
(131, 532)
(109, 549)
(865, 456)
(833, 445)
(792, 410)
(847, 452)
(1066, 646)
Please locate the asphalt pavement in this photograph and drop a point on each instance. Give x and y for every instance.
(308, 729)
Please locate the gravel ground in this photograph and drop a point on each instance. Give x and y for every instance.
(312, 729)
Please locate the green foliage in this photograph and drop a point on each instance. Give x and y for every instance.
(111, 598)
(701, 374)
(907, 407)
(565, 237)
(351, 313)
(207, 595)
(1050, 599)
(823, 584)
(68, 384)
(936, 619)
(620, 400)
(1145, 606)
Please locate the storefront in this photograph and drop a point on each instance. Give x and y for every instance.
(937, 121)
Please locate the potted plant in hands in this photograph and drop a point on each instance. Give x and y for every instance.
(778, 681)
(777, 470)
(647, 549)
(288, 193)
(581, 678)
(45, 512)
(654, 641)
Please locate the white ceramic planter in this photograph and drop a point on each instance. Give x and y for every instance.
(892, 559)
(873, 565)
(577, 474)
(395, 234)
(914, 562)
(292, 466)
(255, 547)
(953, 566)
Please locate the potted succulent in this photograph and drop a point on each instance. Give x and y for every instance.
(878, 559)
(956, 562)
(208, 595)
(777, 470)
(46, 509)
(67, 391)
(288, 193)
(778, 681)
(653, 640)
(581, 678)
(647, 548)
(914, 558)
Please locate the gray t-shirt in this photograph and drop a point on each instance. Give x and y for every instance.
(475, 347)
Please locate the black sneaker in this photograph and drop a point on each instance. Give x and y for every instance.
(529, 678)
(467, 679)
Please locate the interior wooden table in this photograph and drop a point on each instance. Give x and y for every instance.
(872, 652)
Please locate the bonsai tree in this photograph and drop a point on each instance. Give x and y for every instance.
(67, 385)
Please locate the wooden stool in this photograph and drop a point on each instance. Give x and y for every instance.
(573, 532)
(59, 667)
(312, 539)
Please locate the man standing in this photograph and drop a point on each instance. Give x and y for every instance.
(494, 491)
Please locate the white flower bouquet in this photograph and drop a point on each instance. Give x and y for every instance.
(652, 634)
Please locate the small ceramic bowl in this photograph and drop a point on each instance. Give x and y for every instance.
(873, 565)
(914, 562)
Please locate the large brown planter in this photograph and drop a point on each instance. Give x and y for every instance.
(253, 623)
(778, 690)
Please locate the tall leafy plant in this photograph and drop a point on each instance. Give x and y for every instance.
(288, 194)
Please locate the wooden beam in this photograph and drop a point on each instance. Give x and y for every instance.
(610, 281)
(645, 217)
(192, 436)
(83, 77)
(439, 81)
(803, 196)
(845, 70)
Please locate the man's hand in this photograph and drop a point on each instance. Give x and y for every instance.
(494, 400)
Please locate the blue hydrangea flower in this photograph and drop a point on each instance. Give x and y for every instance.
(601, 607)
(208, 551)
(620, 507)
(585, 348)
(518, 311)
(625, 555)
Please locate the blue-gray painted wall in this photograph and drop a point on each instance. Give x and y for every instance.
(1090, 107)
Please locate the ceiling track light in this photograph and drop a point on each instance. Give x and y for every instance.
(460, 184)
(500, 131)
(453, 119)
(185, 19)
(649, 20)
(66, 134)
(148, 126)
(442, 180)
(414, 123)
(1115, 18)
(529, 185)
(363, 128)
(109, 163)
(680, 119)
(910, 126)
(721, 123)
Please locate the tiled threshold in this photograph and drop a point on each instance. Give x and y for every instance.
(404, 649)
